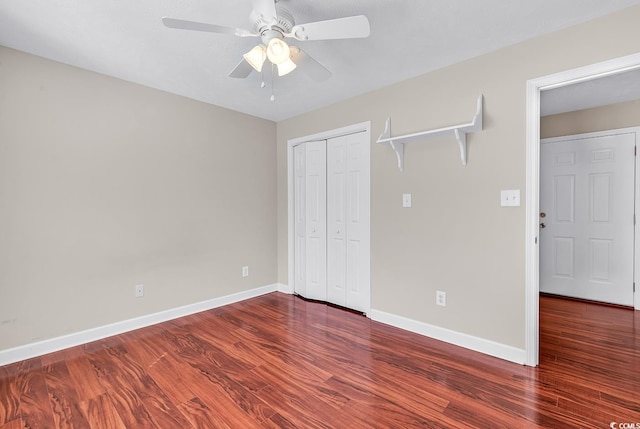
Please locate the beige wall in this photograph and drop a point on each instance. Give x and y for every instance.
(106, 184)
(456, 238)
(621, 115)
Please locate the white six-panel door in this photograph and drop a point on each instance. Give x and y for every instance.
(587, 217)
(331, 220)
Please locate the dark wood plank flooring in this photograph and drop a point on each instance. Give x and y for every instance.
(280, 362)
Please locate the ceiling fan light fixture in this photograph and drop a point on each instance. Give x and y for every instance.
(256, 57)
(286, 67)
(278, 51)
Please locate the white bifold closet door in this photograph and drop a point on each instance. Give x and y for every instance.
(331, 209)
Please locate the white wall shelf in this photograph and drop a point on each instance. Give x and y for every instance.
(460, 132)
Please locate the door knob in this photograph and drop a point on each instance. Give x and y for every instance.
(543, 214)
(542, 225)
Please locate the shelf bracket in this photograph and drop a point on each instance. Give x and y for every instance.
(462, 142)
(459, 131)
(398, 147)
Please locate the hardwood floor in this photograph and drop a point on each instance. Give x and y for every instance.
(280, 362)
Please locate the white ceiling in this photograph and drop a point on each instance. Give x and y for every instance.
(126, 39)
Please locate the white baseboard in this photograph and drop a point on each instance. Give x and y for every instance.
(78, 338)
(40, 348)
(284, 288)
(481, 345)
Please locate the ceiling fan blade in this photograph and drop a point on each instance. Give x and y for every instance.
(242, 70)
(201, 26)
(308, 65)
(266, 9)
(351, 27)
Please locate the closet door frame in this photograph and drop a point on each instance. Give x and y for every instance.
(325, 135)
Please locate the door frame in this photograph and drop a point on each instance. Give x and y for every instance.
(323, 135)
(534, 87)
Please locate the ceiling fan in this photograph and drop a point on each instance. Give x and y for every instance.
(274, 23)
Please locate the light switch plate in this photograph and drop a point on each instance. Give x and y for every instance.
(406, 200)
(510, 198)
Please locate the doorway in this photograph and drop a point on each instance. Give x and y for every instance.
(587, 194)
(532, 265)
(329, 216)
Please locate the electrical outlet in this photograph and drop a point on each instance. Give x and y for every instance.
(245, 271)
(441, 298)
(139, 291)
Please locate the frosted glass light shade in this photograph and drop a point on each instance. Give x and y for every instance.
(278, 51)
(256, 57)
(286, 67)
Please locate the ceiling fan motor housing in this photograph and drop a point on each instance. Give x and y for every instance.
(281, 25)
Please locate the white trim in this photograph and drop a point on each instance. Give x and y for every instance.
(285, 288)
(491, 348)
(636, 232)
(534, 86)
(324, 135)
(604, 133)
(78, 338)
(532, 283)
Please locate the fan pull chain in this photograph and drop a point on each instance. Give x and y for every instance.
(273, 97)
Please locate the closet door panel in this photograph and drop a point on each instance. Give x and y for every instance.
(316, 220)
(358, 222)
(300, 226)
(336, 220)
